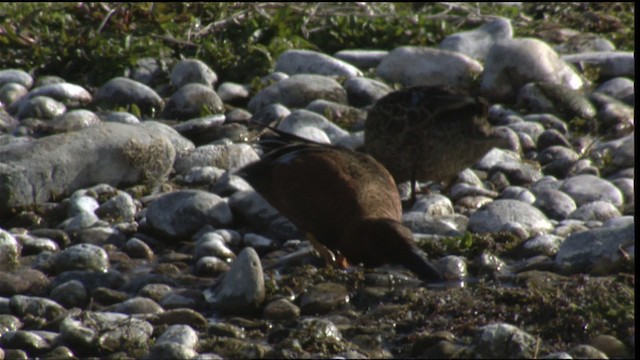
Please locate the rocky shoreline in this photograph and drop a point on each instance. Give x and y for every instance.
(125, 234)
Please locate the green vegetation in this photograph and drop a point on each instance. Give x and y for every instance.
(90, 43)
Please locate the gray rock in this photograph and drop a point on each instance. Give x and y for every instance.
(363, 91)
(595, 211)
(10, 249)
(149, 71)
(108, 153)
(258, 242)
(227, 157)
(513, 63)
(293, 62)
(22, 281)
(301, 118)
(124, 92)
(324, 297)
(556, 99)
(270, 113)
(179, 334)
(549, 121)
(262, 216)
(189, 71)
(281, 309)
(29, 341)
(213, 245)
(587, 188)
(170, 350)
(82, 257)
(422, 223)
(411, 66)
(502, 340)
(71, 95)
(37, 307)
(12, 92)
(620, 88)
(298, 91)
(181, 213)
(610, 64)
(586, 352)
(433, 205)
(555, 204)
(497, 216)
(596, 251)
(70, 294)
(361, 58)
(40, 107)
(518, 193)
(107, 332)
(546, 244)
(73, 120)
(242, 288)
(16, 76)
(137, 305)
(137, 248)
(181, 145)
(619, 151)
(585, 42)
(476, 43)
(119, 208)
(122, 117)
(230, 92)
(36, 245)
(190, 101)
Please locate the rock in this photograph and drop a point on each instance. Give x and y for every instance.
(81, 257)
(189, 71)
(124, 92)
(15, 76)
(323, 298)
(242, 287)
(497, 216)
(40, 107)
(513, 63)
(610, 64)
(293, 62)
(228, 157)
(190, 101)
(300, 119)
(361, 58)
(111, 153)
(298, 91)
(181, 213)
(587, 188)
(412, 66)
(362, 91)
(596, 251)
(262, 216)
(476, 43)
(73, 120)
(503, 340)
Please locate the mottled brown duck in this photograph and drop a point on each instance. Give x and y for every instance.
(429, 133)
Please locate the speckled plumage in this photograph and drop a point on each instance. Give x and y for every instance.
(429, 133)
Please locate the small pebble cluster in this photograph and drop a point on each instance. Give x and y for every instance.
(90, 267)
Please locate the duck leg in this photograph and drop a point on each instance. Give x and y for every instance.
(330, 259)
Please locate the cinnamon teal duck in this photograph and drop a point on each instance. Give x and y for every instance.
(429, 133)
(345, 201)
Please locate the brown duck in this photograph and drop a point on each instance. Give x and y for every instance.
(429, 133)
(343, 200)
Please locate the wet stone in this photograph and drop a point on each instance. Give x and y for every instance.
(70, 294)
(323, 298)
(503, 340)
(137, 305)
(82, 257)
(281, 309)
(595, 211)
